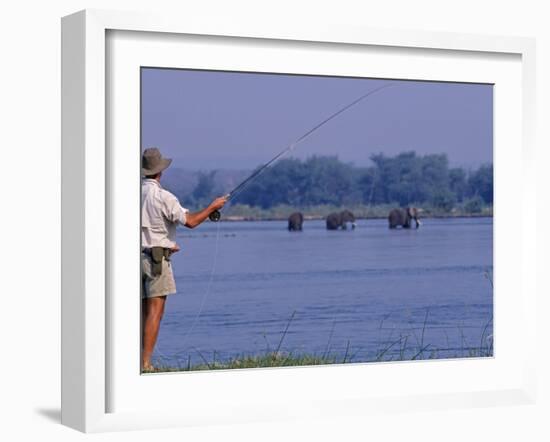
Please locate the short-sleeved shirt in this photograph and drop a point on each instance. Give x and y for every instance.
(161, 212)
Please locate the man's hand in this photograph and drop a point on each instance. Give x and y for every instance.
(218, 203)
(194, 219)
(175, 249)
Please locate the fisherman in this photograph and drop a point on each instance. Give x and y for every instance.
(161, 212)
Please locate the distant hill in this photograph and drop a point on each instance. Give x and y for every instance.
(182, 182)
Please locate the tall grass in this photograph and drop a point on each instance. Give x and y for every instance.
(391, 349)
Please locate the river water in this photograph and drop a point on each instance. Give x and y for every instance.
(369, 293)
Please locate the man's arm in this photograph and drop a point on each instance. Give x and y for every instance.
(192, 220)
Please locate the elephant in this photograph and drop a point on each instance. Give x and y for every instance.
(402, 217)
(340, 219)
(295, 221)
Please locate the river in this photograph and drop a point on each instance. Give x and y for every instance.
(366, 293)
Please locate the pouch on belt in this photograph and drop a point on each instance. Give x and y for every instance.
(157, 254)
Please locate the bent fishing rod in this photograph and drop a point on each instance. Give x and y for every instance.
(216, 215)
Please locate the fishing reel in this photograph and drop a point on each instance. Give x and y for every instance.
(215, 216)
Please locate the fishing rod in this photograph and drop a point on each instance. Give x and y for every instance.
(216, 215)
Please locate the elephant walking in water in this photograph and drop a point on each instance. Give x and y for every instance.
(340, 219)
(403, 217)
(295, 222)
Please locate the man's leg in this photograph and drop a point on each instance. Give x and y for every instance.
(153, 309)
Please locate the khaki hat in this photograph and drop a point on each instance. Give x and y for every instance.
(152, 162)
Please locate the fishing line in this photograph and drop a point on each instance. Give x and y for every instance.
(207, 292)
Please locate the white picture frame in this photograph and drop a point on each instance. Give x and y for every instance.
(87, 234)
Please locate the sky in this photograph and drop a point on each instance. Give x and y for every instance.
(208, 120)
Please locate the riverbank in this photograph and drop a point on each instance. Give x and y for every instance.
(354, 286)
(395, 351)
(393, 348)
(243, 212)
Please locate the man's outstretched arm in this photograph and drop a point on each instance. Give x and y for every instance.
(194, 219)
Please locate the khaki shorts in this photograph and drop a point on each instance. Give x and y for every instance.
(153, 286)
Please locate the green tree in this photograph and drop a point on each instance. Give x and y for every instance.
(404, 179)
(458, 183)
(480, 183)
(370, 187)
(203, 191)
(283, 183)
(329, 181)
(444, 199)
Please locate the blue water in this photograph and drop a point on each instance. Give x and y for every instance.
(351, 292)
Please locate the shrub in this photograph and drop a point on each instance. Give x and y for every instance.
(474, 204)
(444, 199)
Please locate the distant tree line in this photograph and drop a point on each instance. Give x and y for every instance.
(404, 179)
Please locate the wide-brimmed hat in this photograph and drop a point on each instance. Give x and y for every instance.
(152, 162)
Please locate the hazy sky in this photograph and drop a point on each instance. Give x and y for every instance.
(213, 120)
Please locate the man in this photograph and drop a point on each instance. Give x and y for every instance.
(161, 212)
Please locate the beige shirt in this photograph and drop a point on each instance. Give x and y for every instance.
(160, 214)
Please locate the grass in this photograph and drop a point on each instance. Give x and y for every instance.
(392, 349)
